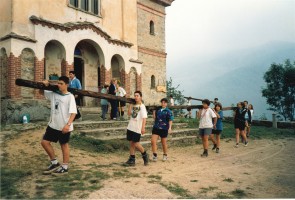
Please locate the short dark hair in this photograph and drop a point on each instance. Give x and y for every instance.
(219, 105)
(72, 72)
(64, 79)
(171, 96)
(242, 104)
(216, 98)
(246, 101)
(138, 92)
(164, 99)
(206, 101)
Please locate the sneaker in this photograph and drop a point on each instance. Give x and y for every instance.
(60, 171)
(165, 158)
(155, 158)
(214, 147)
(130, 161)
(205, 154)
(217, 150)
(237, 145)
(246, 144)
(146, 159)
(51, 168)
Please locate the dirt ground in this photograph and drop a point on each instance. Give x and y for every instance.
(264, 169)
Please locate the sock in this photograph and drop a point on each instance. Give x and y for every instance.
(132, 156)
(65, 165)
(144, 153)
(237, 143)
(54, 161)
(165, 154)
(155, 154)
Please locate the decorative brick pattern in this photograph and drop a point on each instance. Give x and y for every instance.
(39, 75)
(14, 72)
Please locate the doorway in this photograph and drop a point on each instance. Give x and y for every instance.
(79, 70)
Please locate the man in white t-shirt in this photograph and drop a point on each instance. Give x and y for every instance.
(136, 128)
(205, 127)
(62, 115)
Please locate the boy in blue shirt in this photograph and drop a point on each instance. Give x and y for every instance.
(75, 83)
(162, 126)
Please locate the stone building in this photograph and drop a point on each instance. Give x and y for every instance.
(99, 39)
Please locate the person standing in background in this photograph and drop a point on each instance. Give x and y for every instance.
(189, 110)
(171, 100)
(248, 129)
(215, 101)
(120, 92)
(104, 103)
(114, 103)
(75, 83)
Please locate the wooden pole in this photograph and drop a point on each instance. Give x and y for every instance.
(54, 88)
(196, 99)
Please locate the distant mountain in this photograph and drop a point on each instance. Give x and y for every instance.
(238, 75)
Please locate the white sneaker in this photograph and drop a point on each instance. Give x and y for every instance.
(237, 145)
(155, 158)
(165, 158)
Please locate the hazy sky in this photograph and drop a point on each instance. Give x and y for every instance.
(196, 29)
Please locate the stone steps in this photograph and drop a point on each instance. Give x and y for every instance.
(180, 133)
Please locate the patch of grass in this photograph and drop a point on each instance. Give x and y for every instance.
(194, 181)
(76, 180)
(228, 180)
(9, 180)
(210, 188)
(238, 193)
(222, 195)
(157, 177)
(99, 146)
(178, 190)
(125, 174)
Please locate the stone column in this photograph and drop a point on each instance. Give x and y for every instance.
(274, 121)
(14, 72)
(39, 75)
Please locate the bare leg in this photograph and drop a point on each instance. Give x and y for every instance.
(237, 136)
(218, 140)
(65, 152)
(164, 145)
(205, 141)
(154, 143)
(139, 147)
(243, 133)
(48, 148)
(132, 148)
(212, 138)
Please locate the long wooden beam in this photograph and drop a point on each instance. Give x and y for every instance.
(195, 99)
(54, 88)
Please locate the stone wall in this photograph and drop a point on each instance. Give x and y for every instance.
(151, 48)
(27, 71)
(3, 73)
(12, 110)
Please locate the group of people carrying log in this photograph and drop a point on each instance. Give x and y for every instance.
(64, 109)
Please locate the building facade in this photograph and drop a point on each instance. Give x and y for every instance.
(99, 39)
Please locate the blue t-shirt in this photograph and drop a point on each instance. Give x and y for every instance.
(75, 83)
(219, 125)
(163, 116)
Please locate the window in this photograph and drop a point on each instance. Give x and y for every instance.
(91, 6)
(74, 3)
(94, 7)
(84, 5)
(153, 82)
(152, 28)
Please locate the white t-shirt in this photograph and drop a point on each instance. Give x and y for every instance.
(206, 118)
(121, 92)
(62, 105)
(189, 102)
(172, 102)
(138, 113)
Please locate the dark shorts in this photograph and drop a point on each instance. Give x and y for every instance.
(160, 132)
(216, 131)
(53, 135)
(122, 103)
(240, 125)
(132, 136)
(205, 131)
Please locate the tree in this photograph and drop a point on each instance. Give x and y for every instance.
(175, 92)
(280, 89)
